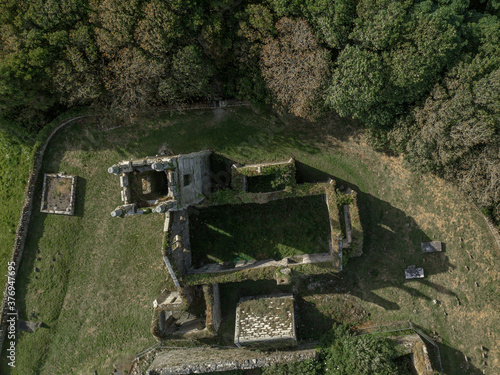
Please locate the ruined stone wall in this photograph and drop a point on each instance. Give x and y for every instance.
(205, 359)
(213, 309)
(166, 249)
(45, 191)
(179, 251)
(24, 220)
(296, 260)
(217, 314)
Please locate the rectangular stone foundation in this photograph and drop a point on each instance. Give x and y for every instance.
(58, 194)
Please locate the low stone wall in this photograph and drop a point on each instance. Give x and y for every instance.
(206, 359)
(23, 224)
(414, 345)
(208, 105)
(348, 229)
(45, 193)
(217, 312)
(213, 309)
(296, 260)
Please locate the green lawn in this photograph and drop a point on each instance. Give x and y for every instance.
(98, 276)
(15, 161)
(278, 229)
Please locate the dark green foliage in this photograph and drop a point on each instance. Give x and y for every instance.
(367, 354)
(309, 367)
(360, 355)
(343, 354)
(398, 52)
(332, 21)
(192, 73)
(456, 131)
(358, 84)
(421, 75)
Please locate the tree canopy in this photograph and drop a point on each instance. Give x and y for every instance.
(344, 354)
(421, 75)
(295, 67)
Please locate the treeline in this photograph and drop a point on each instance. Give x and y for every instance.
(423, 76)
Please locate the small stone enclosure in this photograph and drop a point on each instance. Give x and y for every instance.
(58, 194)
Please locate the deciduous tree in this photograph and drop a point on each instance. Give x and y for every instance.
(296, 68)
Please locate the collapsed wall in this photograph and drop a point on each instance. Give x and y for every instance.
(213, 309)
(206, 360)
(162, 183)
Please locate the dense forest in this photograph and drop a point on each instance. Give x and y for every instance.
(422, 76)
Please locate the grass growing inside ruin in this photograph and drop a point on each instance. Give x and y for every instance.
(96, 296)
(278, 229)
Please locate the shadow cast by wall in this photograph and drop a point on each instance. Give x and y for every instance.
(391, 244)
(305, 173)
(29, 269)
(81, 188)
(309, 320)
(220, 171)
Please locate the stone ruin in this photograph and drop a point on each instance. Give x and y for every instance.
(162, 183)
(265, 322)
(175, 320)
(206, 359)
(241, 174)
(171, 322)
(413, 346)
(170, 185)
(178, 251)
(58, 194)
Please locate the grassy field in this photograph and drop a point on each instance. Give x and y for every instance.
(92, 279)
(277, 229)
(15, 161)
